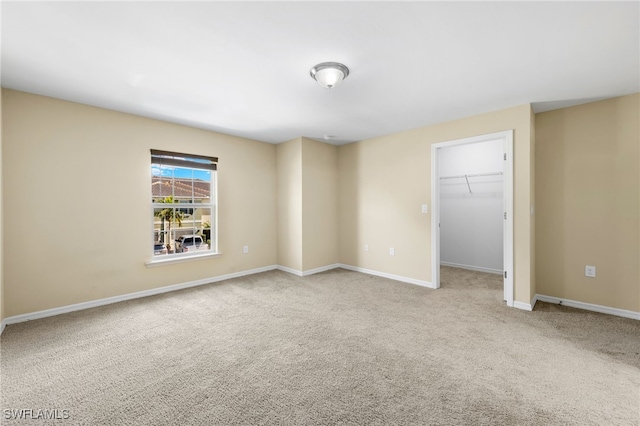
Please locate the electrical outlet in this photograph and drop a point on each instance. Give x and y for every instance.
(366, 247)
(590, 271)
(392, 251)
(245, 249)
(425, 208)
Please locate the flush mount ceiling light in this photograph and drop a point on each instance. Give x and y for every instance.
(329, 74)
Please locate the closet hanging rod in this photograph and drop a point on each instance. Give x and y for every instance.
(472, 175)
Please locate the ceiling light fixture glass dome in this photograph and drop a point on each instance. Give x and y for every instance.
(329, 74)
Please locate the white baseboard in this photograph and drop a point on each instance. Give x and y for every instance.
(289, 270)
(115, 299)
(472, 268)
(309, 271)
(320, 269)
(356, 269)
(589, 306)
(390, 276)
(524, 306)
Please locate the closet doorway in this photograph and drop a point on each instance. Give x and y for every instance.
(472, 206)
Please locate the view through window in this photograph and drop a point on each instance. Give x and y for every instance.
(184, 203)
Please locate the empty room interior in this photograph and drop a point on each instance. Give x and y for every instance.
(320, 213)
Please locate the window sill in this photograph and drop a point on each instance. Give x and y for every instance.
(180, 259)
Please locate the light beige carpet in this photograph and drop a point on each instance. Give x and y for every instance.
(338, 347)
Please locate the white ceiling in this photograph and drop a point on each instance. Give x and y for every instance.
(242, 68)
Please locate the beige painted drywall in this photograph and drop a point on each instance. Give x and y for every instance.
(76, 199)
(384, 181)
(289, 213)
(587, 202)
(319, 204)
(67, 164)
(307, 204)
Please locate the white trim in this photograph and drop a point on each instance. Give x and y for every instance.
(472, 268)
(507, 137)
(309, 271)
(180, 259)
(390, 276)
(435, 217)
(507, 233)
(524, 306)
(589, 307)
(212, 204)
(320, 269)
(115, 299)
(289, 270)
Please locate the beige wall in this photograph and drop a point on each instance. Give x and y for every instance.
(319, 204)
(384, 181)
(307, 204)
(588, 196)
(289, 165)
(77, 201)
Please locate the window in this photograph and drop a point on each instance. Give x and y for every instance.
(183, 193)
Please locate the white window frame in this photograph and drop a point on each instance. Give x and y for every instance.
(169, 160)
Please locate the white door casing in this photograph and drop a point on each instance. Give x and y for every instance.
(507, 139)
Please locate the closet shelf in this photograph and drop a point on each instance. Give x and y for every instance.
(466, 177)
(472, 175)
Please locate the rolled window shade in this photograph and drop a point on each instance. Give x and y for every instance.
(183, 160)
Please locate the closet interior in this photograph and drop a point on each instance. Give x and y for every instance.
(471, 206)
